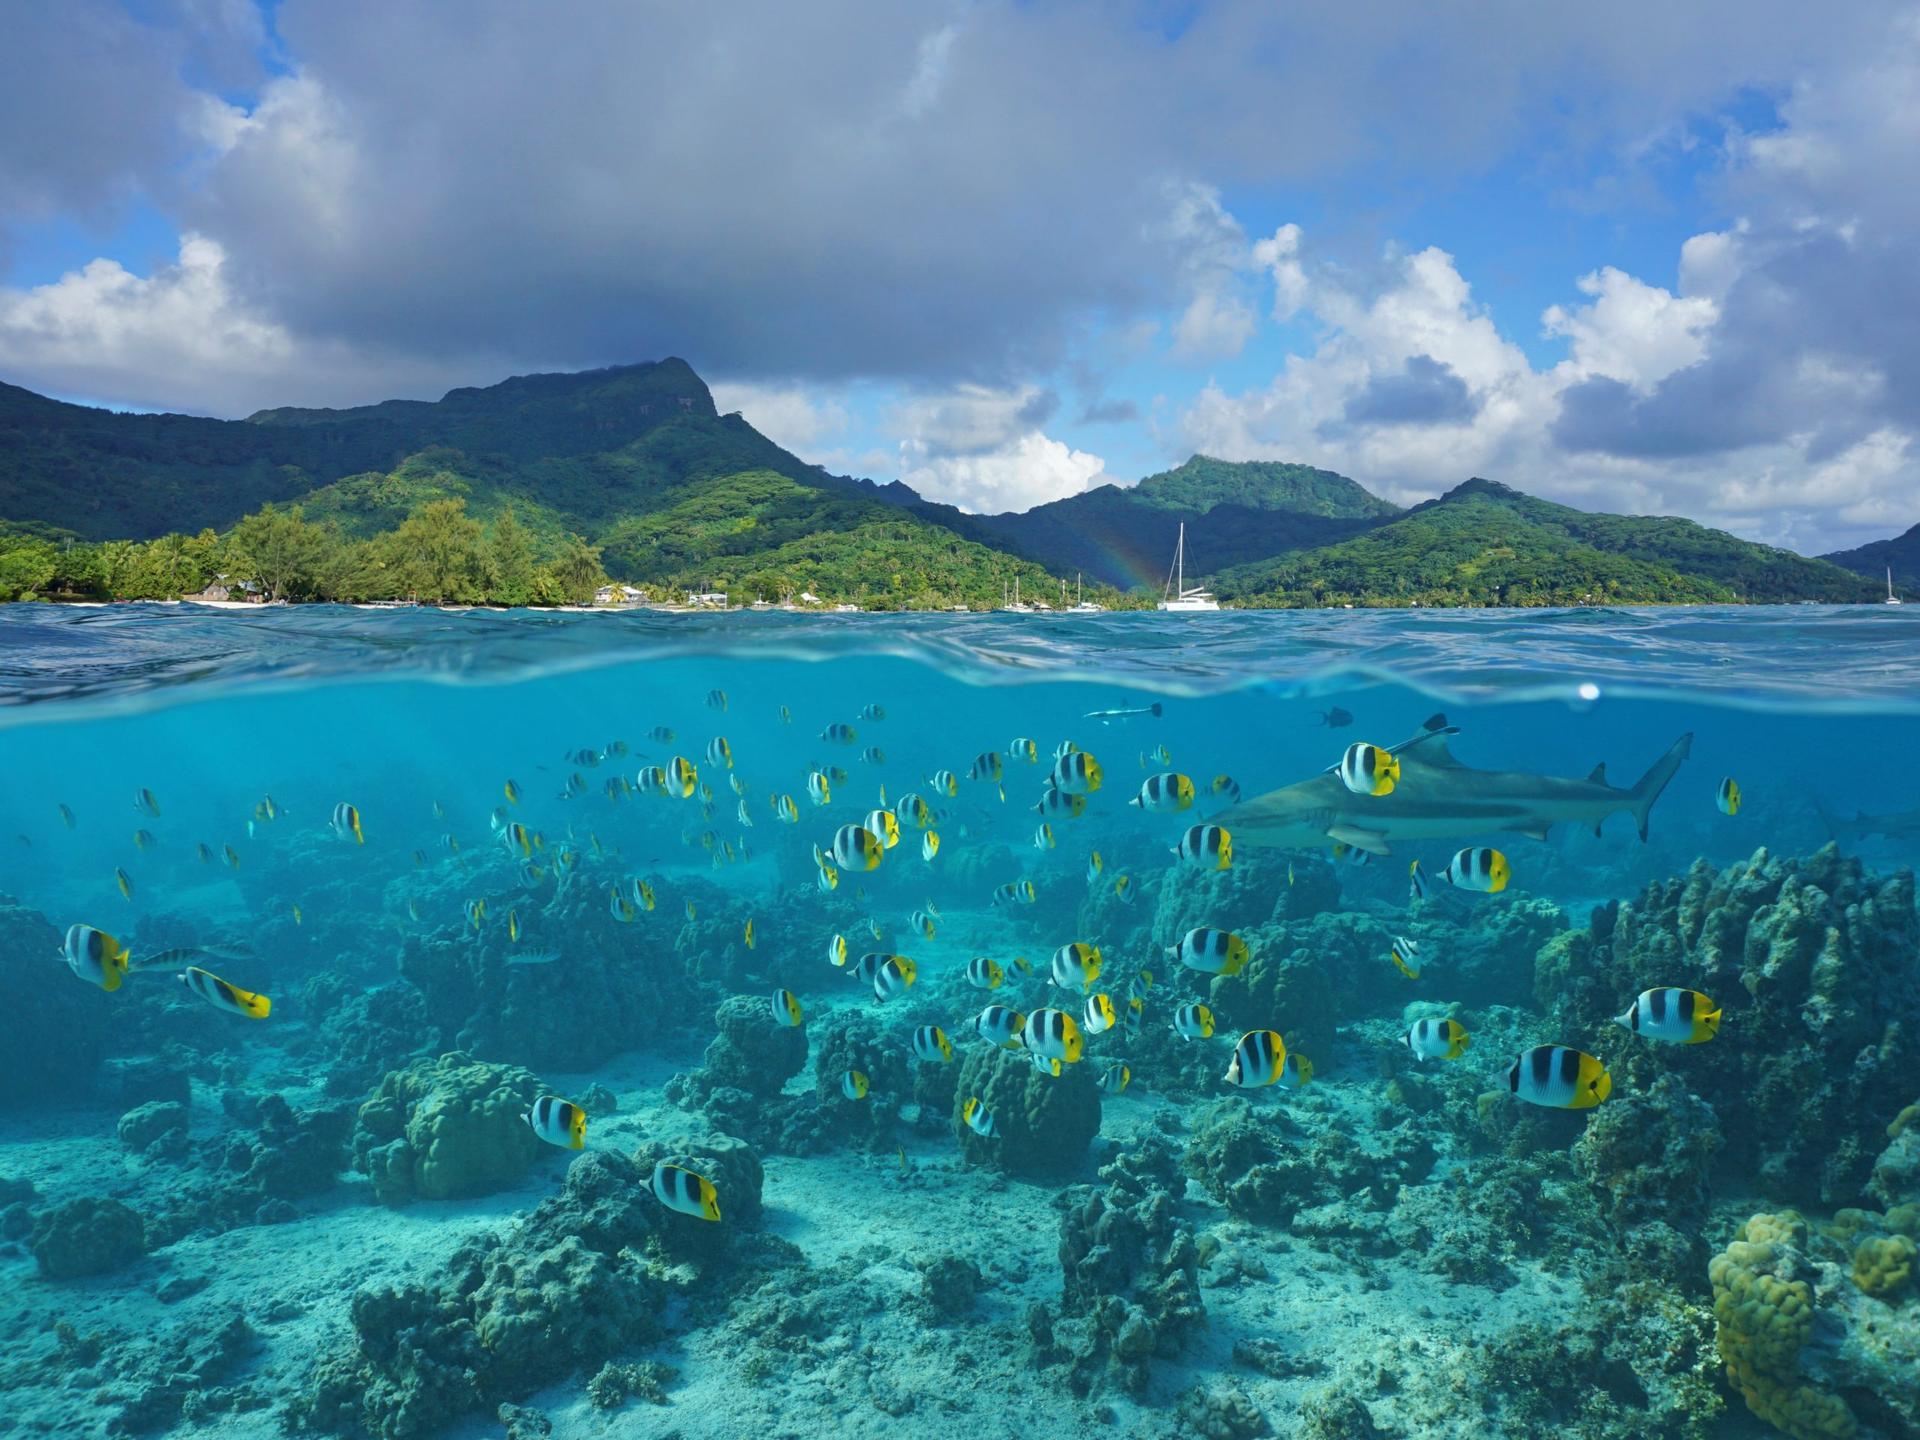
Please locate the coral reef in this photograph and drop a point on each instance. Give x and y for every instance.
(1130, 1278)
(87, 1237)
(1896, 1172)
(1811, 961)
(1818, 1326)
(563, 1292)
(447, 1128)
(1265, 1168)
(611, 987)
(1650, 1153)
(156, 1129)
(1045, 1123)
(362, 1033)
(747, 1064)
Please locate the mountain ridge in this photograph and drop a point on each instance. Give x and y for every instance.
(621, 456)
(1898, 553)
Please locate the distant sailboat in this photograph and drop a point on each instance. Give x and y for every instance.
(1178, 596)
(1013, 607)
(1082, 606)
(1892, 599)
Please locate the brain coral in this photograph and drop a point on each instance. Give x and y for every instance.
(447, 1128)
(1818, 1325)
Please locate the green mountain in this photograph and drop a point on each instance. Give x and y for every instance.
(526, 488)
(1485, 543)
(1234, 513)
(635, 459)
(589, 446)
(1901, 555)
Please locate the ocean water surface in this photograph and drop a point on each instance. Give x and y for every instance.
(505, 881)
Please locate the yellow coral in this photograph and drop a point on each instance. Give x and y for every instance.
(1762, 1317)
(1882, 1266)
(1904, 1220)
(1908, 1116)
(1848, 1225)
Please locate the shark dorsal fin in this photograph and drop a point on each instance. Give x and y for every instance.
(1432, 743)
(1598, 776)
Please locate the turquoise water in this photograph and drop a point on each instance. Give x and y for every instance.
(1267, 1253)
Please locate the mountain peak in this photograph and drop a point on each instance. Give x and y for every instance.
(1478, 485)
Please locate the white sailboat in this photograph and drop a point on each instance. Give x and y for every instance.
(1013, 607)
(1892, 599)
(1178, 596)
(1080, 605)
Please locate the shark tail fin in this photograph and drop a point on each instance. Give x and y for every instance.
(1647, 789)
(1826, 817)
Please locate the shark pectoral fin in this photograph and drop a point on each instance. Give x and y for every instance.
(1371, 841)
(1532, 832)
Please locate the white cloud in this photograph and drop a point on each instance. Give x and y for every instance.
(1279, 256)
(807, 422)
(1216, 321)
(1029, 470)
(1633, 331)
(162, 341)
(1551, 431)
(985, 450)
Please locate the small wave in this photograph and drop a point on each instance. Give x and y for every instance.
(58, 659)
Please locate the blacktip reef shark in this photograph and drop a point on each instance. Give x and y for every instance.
(1438, 798)
(1107, 717)
(1903, 825)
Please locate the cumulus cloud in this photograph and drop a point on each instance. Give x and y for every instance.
(1425, 392)
(1030, 470)
(160, 341)
(858, 192)
(809, 423)
(846, 189)
(984, 450)
(1736, 405)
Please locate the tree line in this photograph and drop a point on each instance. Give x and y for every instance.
(438, 555)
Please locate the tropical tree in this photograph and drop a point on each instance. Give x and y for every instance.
(280, 551)
(510, 561)
(438, 547)
(576, 571)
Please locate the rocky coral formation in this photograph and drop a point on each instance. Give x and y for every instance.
(562, 1293)
(362, 1033)
(154, 1130)
(1817, 1325)
(87, 1237)
(747, 1064)
(1045, 1123)
(445, 1129)
(1130, 1278)
(611, 986)
(1811, 961)
(751, 1051)
(1650, 1154)
(1896, 1172)
(1265, 1168)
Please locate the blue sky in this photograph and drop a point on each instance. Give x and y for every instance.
(1639, 259)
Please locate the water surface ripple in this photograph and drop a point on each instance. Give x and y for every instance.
(1785, 657)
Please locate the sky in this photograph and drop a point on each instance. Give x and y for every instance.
(1641, 257)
